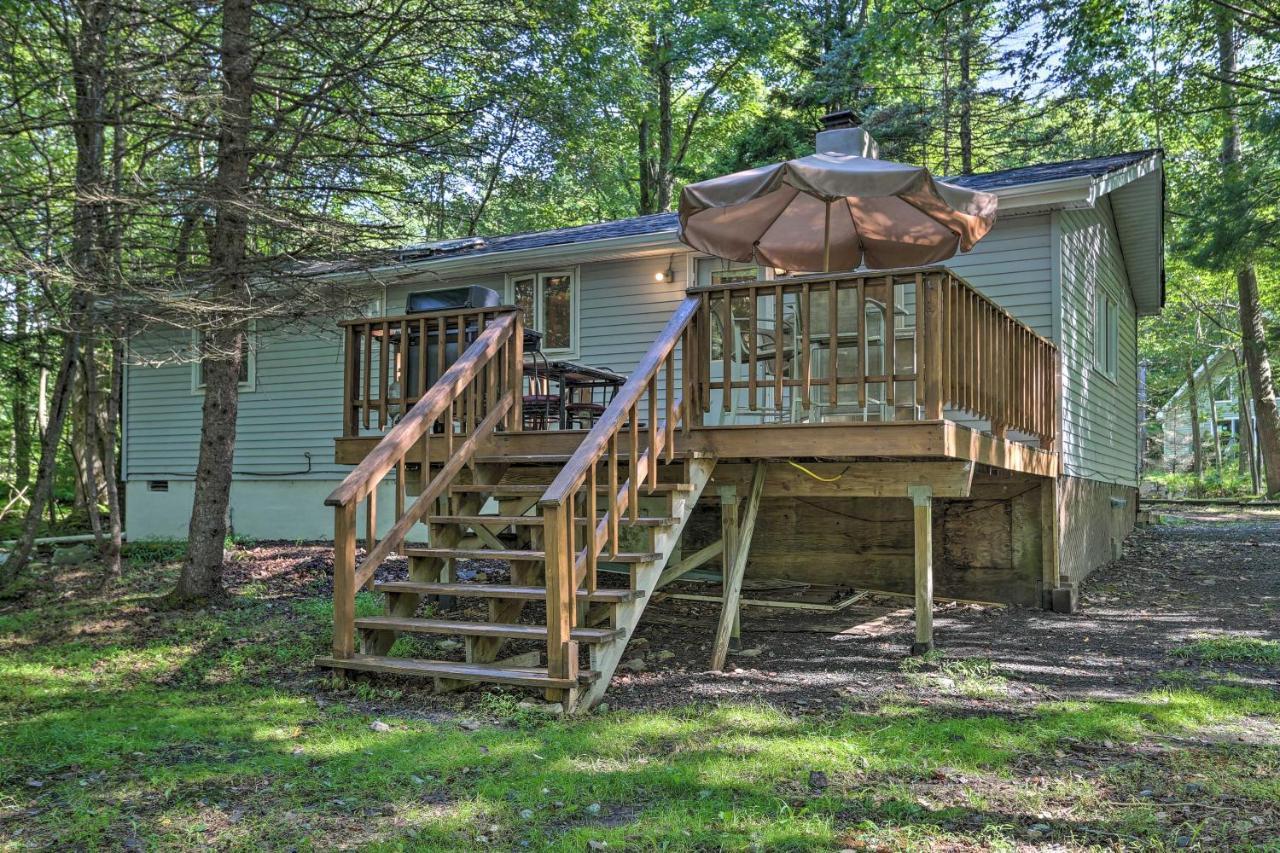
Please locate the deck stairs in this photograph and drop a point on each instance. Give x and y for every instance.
(513, 533)
(585, 535)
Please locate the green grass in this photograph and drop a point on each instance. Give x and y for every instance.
(211, 728)
(1230, 649)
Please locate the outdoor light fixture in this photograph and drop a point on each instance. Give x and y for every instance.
(666, 275)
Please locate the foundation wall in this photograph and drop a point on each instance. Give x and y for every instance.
(1094, 518)
(986, 549)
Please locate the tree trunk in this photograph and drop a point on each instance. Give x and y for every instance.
(201, 578)
(662, 74)
(1197, 452)
(87, 47)
(967, 38)
(51, 438)
(115, 514)
(20, 388)
(1253, 331)
(1258, 363)
(1213, 419)
(1247, 455)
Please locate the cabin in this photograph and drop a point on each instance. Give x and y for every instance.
(1224, 413)
(602, 410)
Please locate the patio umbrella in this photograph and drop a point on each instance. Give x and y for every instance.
(840, 208)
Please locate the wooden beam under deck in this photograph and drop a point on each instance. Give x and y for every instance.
(914, 440)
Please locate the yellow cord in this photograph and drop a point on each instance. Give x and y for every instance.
(813, 475)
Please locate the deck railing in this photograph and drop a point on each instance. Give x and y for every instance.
(479, 393)
(654, 399)
(390, 362)
(898, 345)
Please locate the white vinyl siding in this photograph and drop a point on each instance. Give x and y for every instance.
(1099, 413)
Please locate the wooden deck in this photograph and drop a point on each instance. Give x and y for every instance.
(918, 440)
(836, 386)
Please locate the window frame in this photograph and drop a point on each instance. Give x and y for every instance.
(1106, 331)
(250, 382)
(539, 318)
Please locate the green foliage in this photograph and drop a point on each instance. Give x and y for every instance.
(147, 552)
(1227, 483)
(1230, 649)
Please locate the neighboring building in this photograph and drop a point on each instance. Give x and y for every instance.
(1022, 423)
(1218, 391)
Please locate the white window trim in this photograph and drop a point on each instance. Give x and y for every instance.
(575, 302)
(1104, 343)
(251, 355)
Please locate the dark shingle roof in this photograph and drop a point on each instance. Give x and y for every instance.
(1094, 167)
(658, 223)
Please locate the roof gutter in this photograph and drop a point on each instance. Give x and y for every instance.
(586, 250)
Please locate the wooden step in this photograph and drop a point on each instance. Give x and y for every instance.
(525, 489)
(536, 520)
(490, 673)
(498, 590)
(479, 629)
(512, 554)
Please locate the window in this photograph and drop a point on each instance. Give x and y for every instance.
(548, 301)
(1106, 334)
(248, 361)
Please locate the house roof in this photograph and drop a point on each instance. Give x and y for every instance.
(658, 223)
(1133, 180)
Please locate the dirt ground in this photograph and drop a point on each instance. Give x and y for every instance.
(1197, 573)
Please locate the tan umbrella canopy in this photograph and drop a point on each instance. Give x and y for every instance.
(839, 209)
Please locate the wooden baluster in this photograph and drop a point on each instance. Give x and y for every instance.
(728, 340)
(653, 432)
(779, 340)
(702, 351)
(424, 477)
(752, 338)
(384, 378)
(633, 480)
(344, 576)
(670, 431)
(442, 350)
(422, 358)
(805, 368)
(404, 367)
(591, 530)
(371, 520)
(400, 488)
(349, 411)
(889, 343)
(613, 496)
(367, 402)
(919, 326)
(448, 429)
(517, 374)
(933, 355)
(833, 343)
(571, 530)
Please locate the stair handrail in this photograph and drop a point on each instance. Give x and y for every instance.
(566, 565)
(483, 389)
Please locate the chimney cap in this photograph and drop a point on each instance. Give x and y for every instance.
(840, 119)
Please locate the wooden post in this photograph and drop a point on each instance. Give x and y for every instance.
(562, 653)
(735, 569)
(344, 578)
(922, 502)
(1049, 541)
(932, 329)
(729, 536)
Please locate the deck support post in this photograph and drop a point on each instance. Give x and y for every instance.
(922, 505)
(729, 536)
(735, 566)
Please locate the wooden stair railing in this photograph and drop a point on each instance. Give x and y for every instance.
(650, 390)
(478, 394)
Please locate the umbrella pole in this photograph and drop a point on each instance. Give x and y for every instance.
(826, 241)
